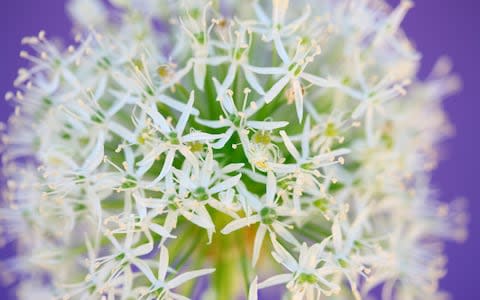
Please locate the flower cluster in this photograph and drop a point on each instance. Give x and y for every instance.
(242, 144)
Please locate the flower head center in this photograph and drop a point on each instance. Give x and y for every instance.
(268, 215)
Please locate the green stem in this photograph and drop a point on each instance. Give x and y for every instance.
(193, 246)
(245, 265)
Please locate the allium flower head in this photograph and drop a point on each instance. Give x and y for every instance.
(241, 144)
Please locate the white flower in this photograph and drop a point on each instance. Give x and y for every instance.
(176, 118)
(237, 121)
(306, 280)
(266, 214)
(292, 72)
(162, 288)
(175, 138)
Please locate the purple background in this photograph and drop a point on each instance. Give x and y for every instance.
(437, 27)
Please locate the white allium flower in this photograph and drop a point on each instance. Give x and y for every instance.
(232, 138)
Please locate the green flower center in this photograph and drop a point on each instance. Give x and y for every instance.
(130, 182)
(307, 278)
(173, 138)
(268, 215)
(261, 137)
(331, 130)
(200, 194)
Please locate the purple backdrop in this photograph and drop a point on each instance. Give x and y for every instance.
(437, 27)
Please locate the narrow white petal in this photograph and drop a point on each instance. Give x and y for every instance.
(200, 136)
(122, 132)
(253, 290)
(181, 279)
(289, 145)
(283, 256)
(213, 123)
(306, 139)
(297, 90)
(275, 280)
(266, 70)
(217, 60)
(199, 74)
(267, 126)
(240, 223)
(284, 233)
(232, 168)
(276, 88)
(163, 263)
(182, 122)
(253, 81)
(177, 105)
(221, 142)
(232, 70)
(157, 118)
(225, 185)
(360, 110)
(271, 188)
(281, 49)
(167, 165)
(257, 244)
(100, 91)
(160, 230)
(337, 236)
(318, 81)
(96, 156)
(145, 269)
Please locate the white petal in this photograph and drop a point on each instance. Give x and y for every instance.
(306, 139)
(96, 156)
(217, 60)
(157, 118)
(240, 223)
(122, 132)
(260, 13)
(225, 185)
(276, 88)
(279, 8)
(275, 280)
(177, 105)
(221, 142)
(266, 70)
(283, 256)
(200, 218)
(199, 74)
(227, 82)
(160, 230)
(284, 233)
(253, 290)
(337, 235)
(100, 91)
(297, 90)
(253, 81)
(167, 165)
(201, 136)
(281, 49)
(213, 124)
(318, 81)
(182, 122)
(257, 244)
(271, 188)
(175, 296)
(265, 125)
(232, 168)
(163, 263)
(360, 110)
(143, 267)
(289, 145)
(179, 280)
